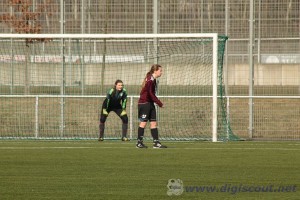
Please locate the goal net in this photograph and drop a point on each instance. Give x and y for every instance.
(53, 85)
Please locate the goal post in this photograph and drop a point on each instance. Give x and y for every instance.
(215, 89)
(78, 69)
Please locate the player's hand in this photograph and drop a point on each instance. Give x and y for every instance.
(104, 111)
(123, 113)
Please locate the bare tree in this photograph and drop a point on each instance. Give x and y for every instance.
(25, 18)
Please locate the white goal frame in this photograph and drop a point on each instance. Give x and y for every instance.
(214, 37)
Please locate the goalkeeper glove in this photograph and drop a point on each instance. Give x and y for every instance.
(104, 111)
(123, 113)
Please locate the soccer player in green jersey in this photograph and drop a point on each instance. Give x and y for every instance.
(115, 101)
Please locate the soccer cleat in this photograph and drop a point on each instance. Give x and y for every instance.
(125, 139)
(100, 139)
(141, 145)
(158, 145)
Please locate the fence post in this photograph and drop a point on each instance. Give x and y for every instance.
(131, 118)
(36, 116)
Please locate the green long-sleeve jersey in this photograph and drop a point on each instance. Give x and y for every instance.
(115, 99)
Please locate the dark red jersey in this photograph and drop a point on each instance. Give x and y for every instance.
(148, 92)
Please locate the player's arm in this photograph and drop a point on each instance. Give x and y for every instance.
(124, 99)
(124, 102)
(151, 89)
(105, 105)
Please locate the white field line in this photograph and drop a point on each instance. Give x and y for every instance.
(132, 147)
(17, 148)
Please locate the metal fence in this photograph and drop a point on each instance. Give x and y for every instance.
(275, 35)
(276, 28)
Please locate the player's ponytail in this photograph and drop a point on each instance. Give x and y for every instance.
(154, 68)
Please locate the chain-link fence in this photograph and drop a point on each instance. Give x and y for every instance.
(277, 23)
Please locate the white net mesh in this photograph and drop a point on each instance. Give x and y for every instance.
(53, 88)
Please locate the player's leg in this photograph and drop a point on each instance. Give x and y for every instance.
(153, 128)
(102, 120)
(140, 138)
(124, 119)
(143, 113)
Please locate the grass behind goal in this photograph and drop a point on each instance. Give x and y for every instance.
(116, 170)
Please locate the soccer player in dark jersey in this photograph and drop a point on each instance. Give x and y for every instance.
(146, 107)
(115, 100)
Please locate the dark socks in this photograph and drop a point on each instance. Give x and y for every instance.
(154, 133)
(140, 134)
(101, 128)
(124, 130)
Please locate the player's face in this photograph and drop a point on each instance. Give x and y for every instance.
(119, 86)
(158, 73)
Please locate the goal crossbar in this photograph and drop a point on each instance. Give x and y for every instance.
(111, 36)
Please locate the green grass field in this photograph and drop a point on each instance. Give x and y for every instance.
(116, 170)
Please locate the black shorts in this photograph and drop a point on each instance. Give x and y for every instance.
(147, 112)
